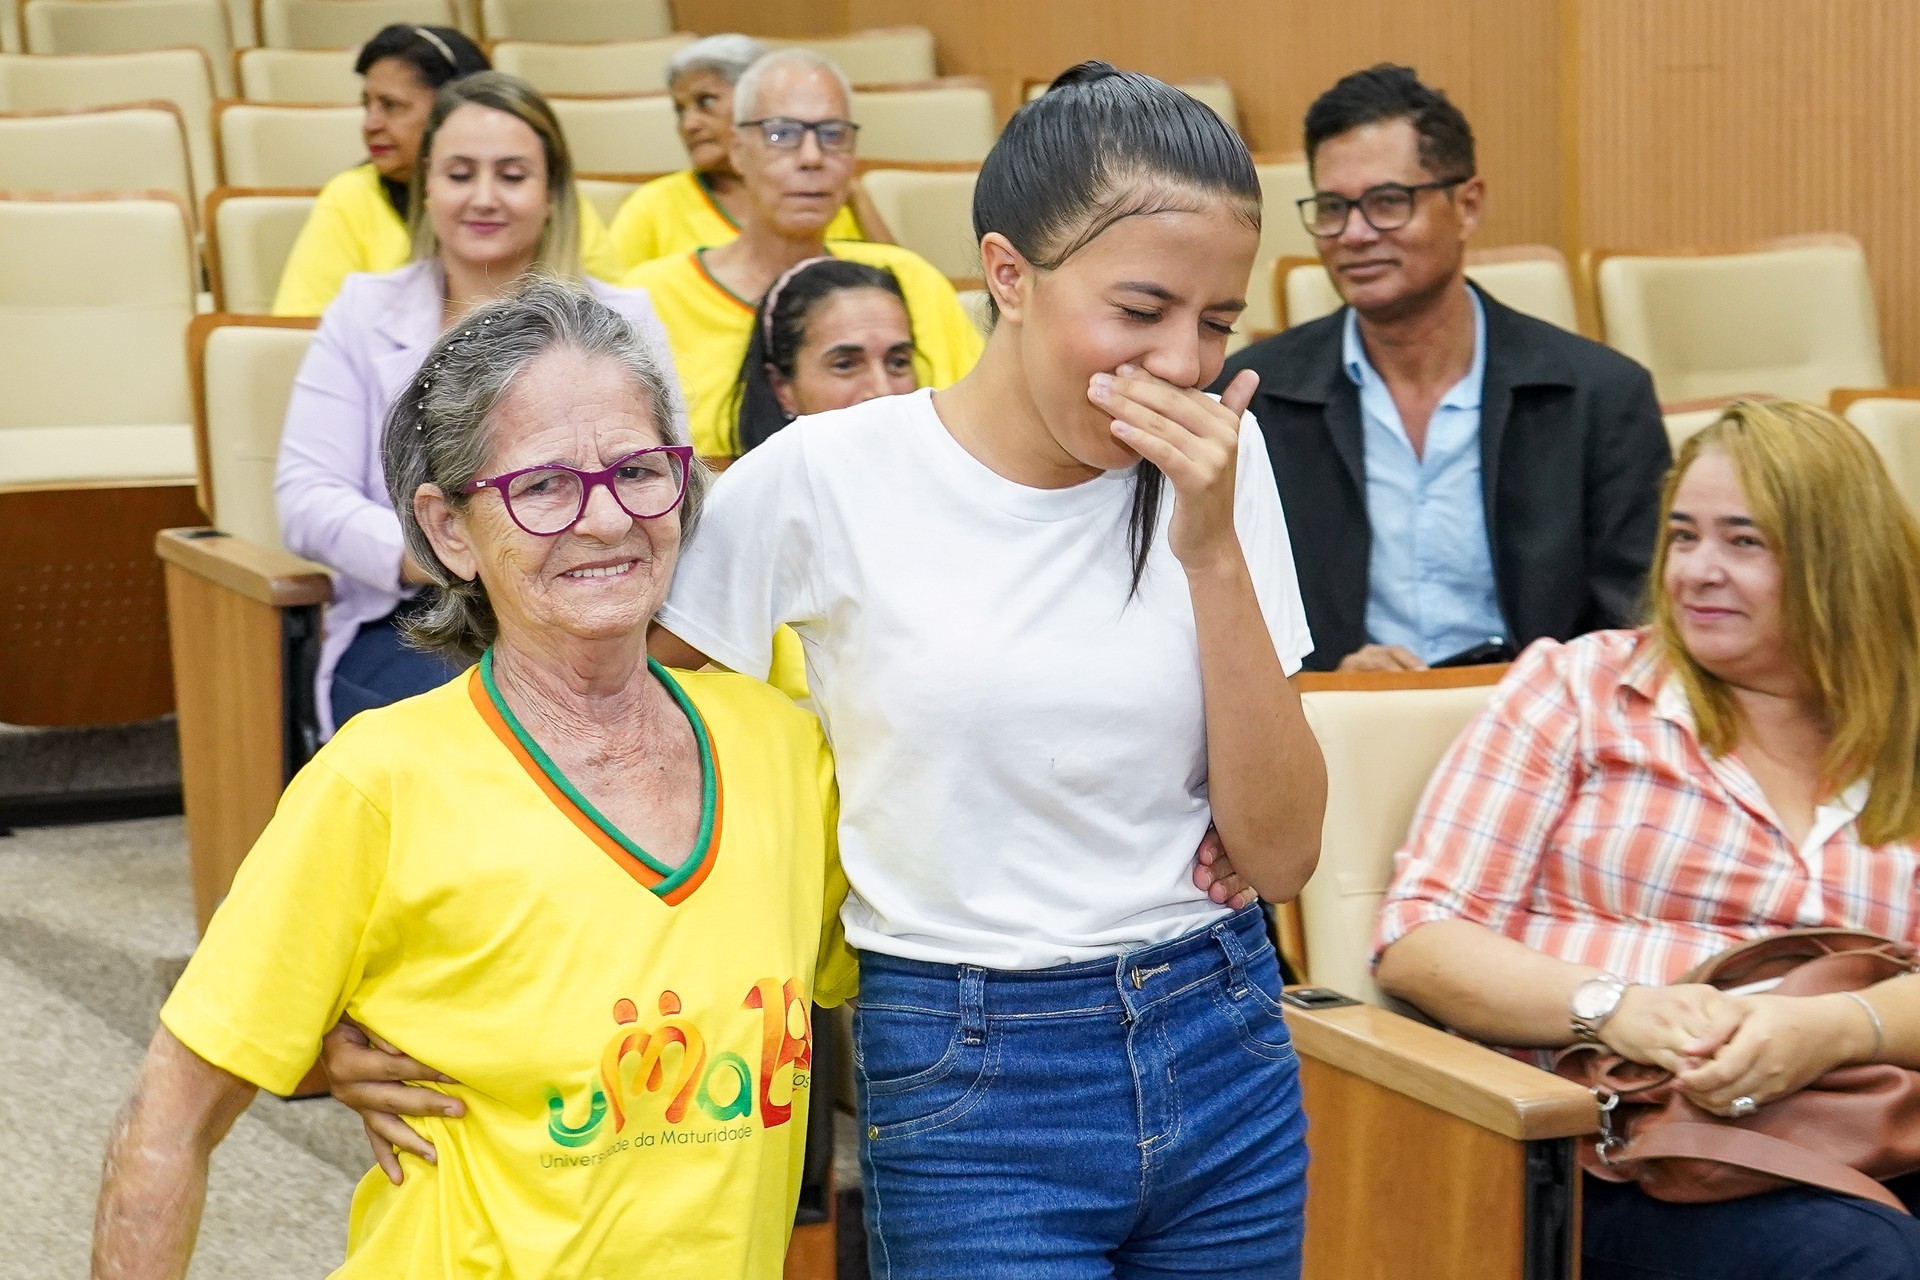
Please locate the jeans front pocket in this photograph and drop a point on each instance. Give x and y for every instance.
(1258, 1017)
(918, 1070)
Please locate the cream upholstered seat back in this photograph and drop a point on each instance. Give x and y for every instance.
(609, 66)
(134, 148)
(1794, 318)
(1532, 279)
(95, 296)
(883, 55)
(937, 120)
(1281, 183)
(931, 213)
(1892, 423)
(127, 26)
(342, 24)
(297, 75)
(634, 133)
(72, 81)
(607, 194)
(247, 373)
(1381, 746)
(264, 144)
(250, 236)
(1690, 418)
(579, 20)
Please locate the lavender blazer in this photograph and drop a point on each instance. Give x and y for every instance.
(328, 484)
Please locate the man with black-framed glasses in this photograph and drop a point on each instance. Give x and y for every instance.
(1459, 479)
(793, 147)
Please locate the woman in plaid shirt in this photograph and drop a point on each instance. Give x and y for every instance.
(1633, 802)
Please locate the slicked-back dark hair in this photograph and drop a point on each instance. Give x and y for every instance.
(1391, 92)
(1099, 146)
(436, 54)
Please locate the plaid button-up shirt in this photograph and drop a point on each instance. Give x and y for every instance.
(1580, 815)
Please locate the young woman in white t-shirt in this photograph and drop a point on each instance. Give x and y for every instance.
(1043, 680)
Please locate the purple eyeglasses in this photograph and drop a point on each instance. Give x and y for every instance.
(548, 500)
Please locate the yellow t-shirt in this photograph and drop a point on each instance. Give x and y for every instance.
(708, 329)
(677, 214)
(353, 227)
(632, 1041)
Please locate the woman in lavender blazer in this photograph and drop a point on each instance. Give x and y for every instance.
(493, 204)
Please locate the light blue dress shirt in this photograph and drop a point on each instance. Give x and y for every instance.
(1430, 574)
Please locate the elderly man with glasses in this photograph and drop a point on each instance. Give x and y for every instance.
(1459, 479)
(793, 146)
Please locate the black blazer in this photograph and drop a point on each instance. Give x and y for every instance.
(1572, 452)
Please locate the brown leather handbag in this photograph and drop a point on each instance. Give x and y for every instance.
(1847, 1131)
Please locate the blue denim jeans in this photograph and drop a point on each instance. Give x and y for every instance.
(1129, 1117)
(379, 668)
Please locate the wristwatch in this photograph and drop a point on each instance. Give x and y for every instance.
(1593, 1002)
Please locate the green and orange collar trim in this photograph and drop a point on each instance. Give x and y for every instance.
(670, 884)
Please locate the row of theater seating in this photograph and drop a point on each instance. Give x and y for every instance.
(94, 26)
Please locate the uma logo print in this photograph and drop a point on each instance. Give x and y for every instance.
(720, 1083)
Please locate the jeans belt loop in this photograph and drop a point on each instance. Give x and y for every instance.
(1229, 940)
(973, 1002)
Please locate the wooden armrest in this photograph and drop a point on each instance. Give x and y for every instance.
(1477, 1084)
(277, 578)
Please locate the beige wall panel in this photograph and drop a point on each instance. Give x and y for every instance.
(1708, 123)
(1496, 57)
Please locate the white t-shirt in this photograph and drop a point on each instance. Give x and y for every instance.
(1021, 748)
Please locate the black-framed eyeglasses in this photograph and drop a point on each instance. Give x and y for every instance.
(1387, 207)
(548, 500)
(784, 133)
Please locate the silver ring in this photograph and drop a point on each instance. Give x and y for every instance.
(1742, 1107)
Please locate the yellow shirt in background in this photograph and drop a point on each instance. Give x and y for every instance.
(708, 328)
(632, 1040)
(677, 214)
(353, 227)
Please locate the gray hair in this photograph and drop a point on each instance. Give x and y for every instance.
(746, 90)
(437, 431)
(727, 56)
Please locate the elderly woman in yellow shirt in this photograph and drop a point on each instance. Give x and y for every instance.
(793, 147)
(704, 204)
(597, 893)
(359, 221)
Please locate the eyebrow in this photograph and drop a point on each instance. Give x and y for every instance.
(1160, 293)
(1733, 522)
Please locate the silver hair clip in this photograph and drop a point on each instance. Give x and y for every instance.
(438, 44)
(426, 383)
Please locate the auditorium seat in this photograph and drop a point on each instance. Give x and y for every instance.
(1530, 278)
(129, 26)
(261, 144)
(1425, 1145)
(609, 66)
(296, 75)
(882, 55)
(1793, 316)
(930, 211)
(575, 20)
(250, 233)
(95, 451)
(139, 147)
(1890, 418)
(245, 613)
(341, 24)
(1283, 179)
(606, 192)
(63, 83)
(948, 119)
(621, 133)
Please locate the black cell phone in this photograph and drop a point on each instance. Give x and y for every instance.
(1316, 998)
(1492, 649)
